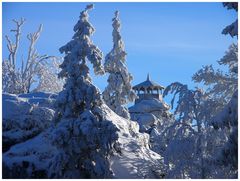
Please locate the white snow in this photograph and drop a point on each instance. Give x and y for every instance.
(151, 113)
(24, 117)
(135, 159)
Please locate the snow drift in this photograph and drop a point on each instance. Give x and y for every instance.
(132, 157)
(25, 116)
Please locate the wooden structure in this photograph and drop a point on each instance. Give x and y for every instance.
(148, 90)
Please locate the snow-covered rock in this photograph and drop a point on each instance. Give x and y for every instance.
(132, 157)
(153, 117)
(146, 121)
(136, 159)
(29, 159)
(25, 116)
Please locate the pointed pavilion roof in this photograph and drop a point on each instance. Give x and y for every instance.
(148, 84)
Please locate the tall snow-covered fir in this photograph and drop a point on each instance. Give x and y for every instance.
(79, 94)
(119, 90)
(82, 135)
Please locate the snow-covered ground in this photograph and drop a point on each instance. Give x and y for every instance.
(25, 116)
(136, 159)
(31, 157)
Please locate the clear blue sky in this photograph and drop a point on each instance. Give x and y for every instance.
(171, 41)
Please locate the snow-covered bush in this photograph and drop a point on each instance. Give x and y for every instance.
(151, 114)
(228, 119)
(84, 138)
(194, 111)
(48, 79)
(197, 109)
(37, 68)
(221, 105)
(11, 79)
(180, 152)
(119, 90)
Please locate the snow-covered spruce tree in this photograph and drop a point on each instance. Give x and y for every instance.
(84, 139)
(119, 90)
(18, 80)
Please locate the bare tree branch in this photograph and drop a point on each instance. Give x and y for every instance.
(20, 80)
(13, 46)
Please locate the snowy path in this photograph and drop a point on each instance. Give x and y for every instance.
(133, 164)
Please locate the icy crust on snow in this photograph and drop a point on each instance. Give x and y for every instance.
(41, 98)
(132, 159)
(25, 116)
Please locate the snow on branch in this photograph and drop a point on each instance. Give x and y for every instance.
(13, 47)
(82, 134)
(220, 85)
(119, 90)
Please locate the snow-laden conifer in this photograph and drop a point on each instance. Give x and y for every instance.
(82, 135)
(119, 90)
(79, 93)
